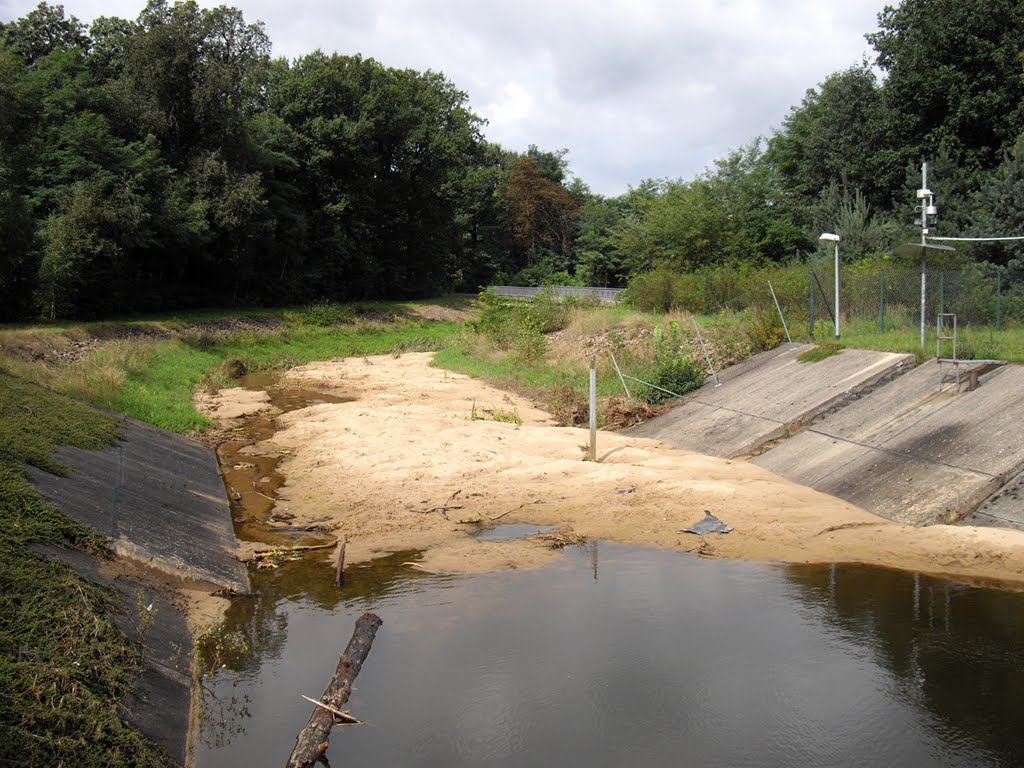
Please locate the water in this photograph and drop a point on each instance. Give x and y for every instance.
(621, 655)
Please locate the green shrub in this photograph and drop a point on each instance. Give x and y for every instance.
(764, 330)
(324, 314)
(519, 325)
(673, 368)
(654, 291)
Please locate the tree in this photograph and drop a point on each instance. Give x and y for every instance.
(192, 77)
(680, 225)
(542, 214)
(749, 189)
(43, 31)
(998, 207)
(953, 74)
(385, 155)
(18, 256)
(841, 130)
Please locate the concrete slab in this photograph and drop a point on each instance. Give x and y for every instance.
(159, 497)
(912, 452)
(768, 396)
(1004, 509)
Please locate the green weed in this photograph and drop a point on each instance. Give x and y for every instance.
(820, 352)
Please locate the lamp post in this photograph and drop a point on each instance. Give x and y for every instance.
(928, 210)
(835, 239)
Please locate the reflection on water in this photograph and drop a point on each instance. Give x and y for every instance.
(656, 657)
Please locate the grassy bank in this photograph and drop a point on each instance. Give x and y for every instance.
(64, 666)
(543, 350)
(150, 369)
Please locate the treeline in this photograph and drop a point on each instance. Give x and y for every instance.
(847, 159)
(169, 161)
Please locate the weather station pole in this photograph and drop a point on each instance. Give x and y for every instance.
(928, 212)
(829, 236)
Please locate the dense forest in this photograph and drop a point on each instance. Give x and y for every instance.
(170, 161)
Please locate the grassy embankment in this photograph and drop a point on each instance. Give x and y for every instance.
(64, 666)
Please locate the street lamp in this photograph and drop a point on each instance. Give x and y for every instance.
(835, 239)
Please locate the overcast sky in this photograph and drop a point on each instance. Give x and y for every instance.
(634, 89)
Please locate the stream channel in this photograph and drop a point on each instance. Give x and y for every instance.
(615, 655)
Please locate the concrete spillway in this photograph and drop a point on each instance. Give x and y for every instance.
(870, 428)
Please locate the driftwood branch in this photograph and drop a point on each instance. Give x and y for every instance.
(443, 509)
(312, 741)
(280, 551)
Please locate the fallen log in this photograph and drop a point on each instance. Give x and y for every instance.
(313, 739)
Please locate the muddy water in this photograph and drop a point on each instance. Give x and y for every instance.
(252, 481)
(621, 655)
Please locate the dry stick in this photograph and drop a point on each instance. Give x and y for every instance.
(271, 498)
(312, 741)
(339, 576)
(345, 717)
(498, 517)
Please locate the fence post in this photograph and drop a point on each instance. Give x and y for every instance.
(942, 292)
(881, 301)
(593, 408)
(783, 319)
(999, 300)
(810, 303)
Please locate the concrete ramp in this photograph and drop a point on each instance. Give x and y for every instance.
(159, 497)
(912, 452)
(769, 396)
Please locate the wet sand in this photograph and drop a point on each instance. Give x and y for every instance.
(418, 453)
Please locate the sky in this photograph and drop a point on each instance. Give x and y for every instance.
(634, 89)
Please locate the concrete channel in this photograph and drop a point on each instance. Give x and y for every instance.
(769, 396)
(872, 428)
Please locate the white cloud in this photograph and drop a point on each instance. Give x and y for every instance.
(514, 106)
(633, 88)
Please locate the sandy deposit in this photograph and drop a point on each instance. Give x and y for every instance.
(400, 466)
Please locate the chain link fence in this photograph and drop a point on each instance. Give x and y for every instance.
(890, 299)
(871, 299)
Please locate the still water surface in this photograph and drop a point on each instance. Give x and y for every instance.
(618, 656)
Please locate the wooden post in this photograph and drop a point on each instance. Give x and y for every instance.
(339, 565)
(312, 741)
(593, 408)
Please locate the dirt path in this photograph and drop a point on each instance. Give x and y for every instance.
(419, 450)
